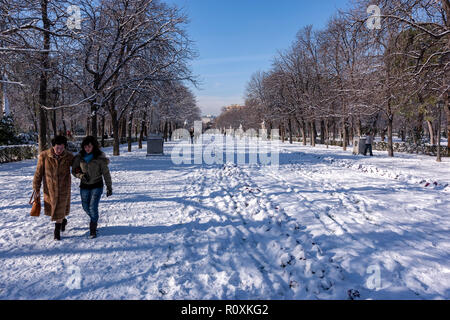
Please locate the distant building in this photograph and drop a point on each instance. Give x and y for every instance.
(208, 122)
(233, 107)
(208, 119)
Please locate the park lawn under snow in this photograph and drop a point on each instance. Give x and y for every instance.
(324, 225)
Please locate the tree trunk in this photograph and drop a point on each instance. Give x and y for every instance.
(344, 134)
(115, 124)
(439, 137)
(130, 130)
(334, 130)
(322, 132)
(88, 126)
(447, 111)
(166, 130)
(45, 64)
(291, 137)
(303, 128)
(2, 101)
(35, 115)
(269, 132)
(446, 7)
(390, 135)
(99, 128)
(141, 135)
(102, 131)
(55, 129)
(431, 132)
(280, 128)
(403, 134)
(123, 134)
(93, 116)
(63, 120)
(313, 133)
(383, 135)
(49, 137)
(351, 131)
(42, 125)
(308, 131)
(359, 127)
(347, 135)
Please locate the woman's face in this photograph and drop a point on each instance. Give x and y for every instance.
(59, 149)
(88, 148)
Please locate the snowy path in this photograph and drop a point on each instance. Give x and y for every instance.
(315, 228)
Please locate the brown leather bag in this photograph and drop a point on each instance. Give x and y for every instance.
(35, 200)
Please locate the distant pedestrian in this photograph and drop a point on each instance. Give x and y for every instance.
(369, 143)
(91, 167)
(191, 133)
(53, 169)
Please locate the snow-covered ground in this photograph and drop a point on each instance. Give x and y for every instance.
(323, 225)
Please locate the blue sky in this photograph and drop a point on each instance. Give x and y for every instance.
(236, 38)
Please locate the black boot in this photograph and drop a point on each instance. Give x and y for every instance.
(57, 232)
(63, 225)
(93, 230)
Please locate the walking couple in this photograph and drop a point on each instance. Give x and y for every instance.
(90, 165)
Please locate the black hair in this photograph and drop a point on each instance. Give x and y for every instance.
(91, 140)
(59, 140)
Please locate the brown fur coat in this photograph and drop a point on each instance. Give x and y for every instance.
(55, 173)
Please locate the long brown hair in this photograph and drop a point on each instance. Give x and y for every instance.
(91, 140)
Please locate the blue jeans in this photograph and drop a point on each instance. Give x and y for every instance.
(90, 200)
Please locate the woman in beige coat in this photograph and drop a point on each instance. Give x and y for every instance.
(53, 169)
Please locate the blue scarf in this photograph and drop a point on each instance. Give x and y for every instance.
(88, 158)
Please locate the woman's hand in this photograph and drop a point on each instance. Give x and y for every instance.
(83, 167)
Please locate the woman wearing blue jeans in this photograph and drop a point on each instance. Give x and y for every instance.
(91, 166)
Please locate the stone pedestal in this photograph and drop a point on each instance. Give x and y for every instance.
(359, 144)
(155, 145)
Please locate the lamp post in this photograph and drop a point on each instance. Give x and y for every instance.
(440, 104)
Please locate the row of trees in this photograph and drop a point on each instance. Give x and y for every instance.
(101, 66)
(383, 72)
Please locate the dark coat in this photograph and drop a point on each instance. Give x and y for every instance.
(97, 170)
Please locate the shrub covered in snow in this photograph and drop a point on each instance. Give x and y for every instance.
(27, 138)
(17, 153)
(7, 131)
(9, 134)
